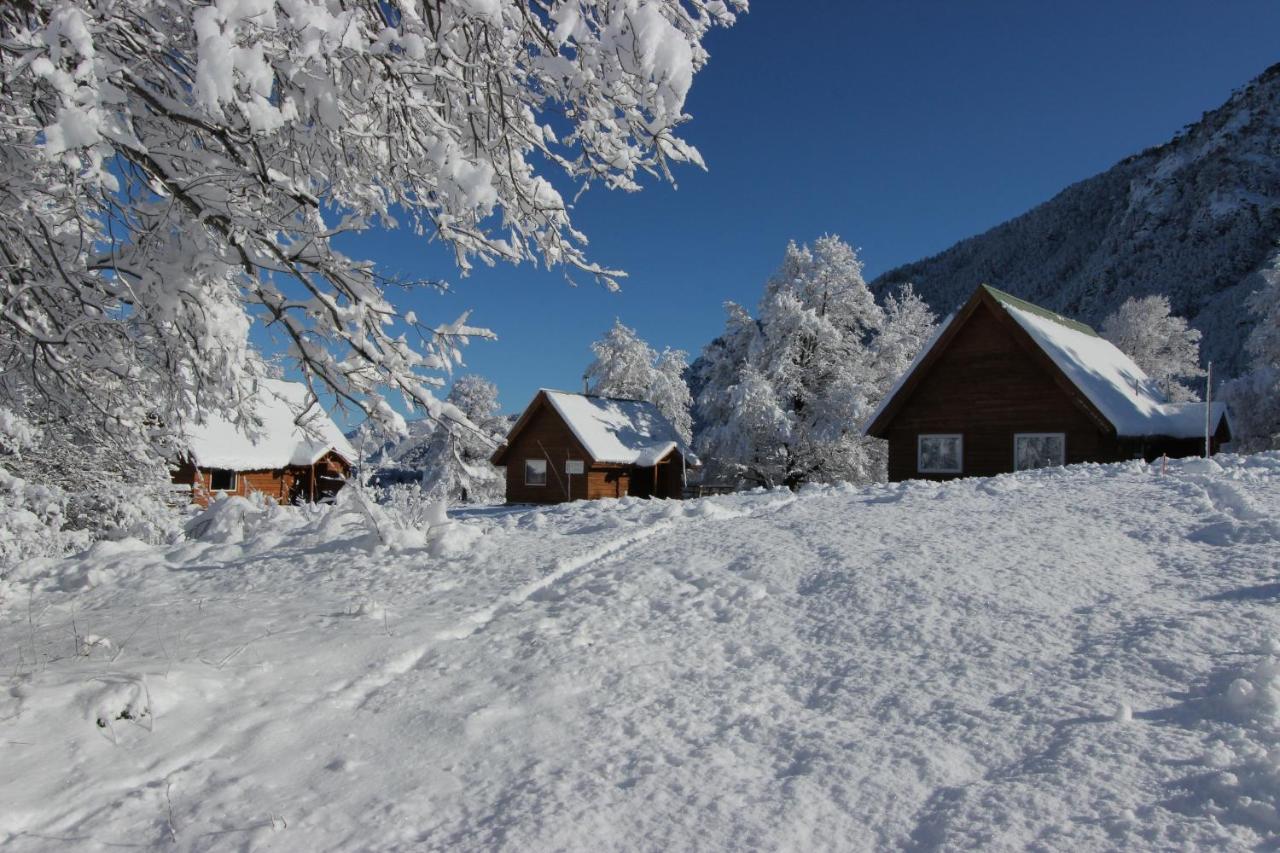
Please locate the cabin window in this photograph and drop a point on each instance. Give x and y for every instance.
(535, 472)
(222, 480)
(939, 454)
(1039, 450)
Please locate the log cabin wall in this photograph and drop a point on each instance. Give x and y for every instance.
(284, 485)
(607, 481)
(546, 436)
(988, 387)
(276, 484)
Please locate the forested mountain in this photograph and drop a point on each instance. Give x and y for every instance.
(1197, 219)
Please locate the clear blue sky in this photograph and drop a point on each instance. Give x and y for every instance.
(901, 126)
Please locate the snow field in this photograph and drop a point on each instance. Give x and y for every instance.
(1084, 657)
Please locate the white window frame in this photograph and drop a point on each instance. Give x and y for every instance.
(535, 462)
(920, 469)
(1017, 435)
(235, 480)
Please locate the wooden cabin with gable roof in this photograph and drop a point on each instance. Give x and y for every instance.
(295, 452)
(582, 447)
(1006, 385)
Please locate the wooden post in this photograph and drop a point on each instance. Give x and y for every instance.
(1208, 406)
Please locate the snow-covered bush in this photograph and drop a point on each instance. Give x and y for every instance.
(781, 398)
(106, 490)
(626, 366)
(1163, 345)
(32, 516)
(411, 505)
(33, 522)
(227, 519)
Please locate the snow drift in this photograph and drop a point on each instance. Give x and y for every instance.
(1084, 658)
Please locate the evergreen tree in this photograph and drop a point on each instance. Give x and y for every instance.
(1161, 344)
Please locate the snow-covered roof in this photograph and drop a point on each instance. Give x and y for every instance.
(1111, 381)
(628, 432)
(1129, 399)
(294, 430)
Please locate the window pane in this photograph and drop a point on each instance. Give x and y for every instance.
(535, 472)
(1039, 451)
(940, 453)
(222, 480)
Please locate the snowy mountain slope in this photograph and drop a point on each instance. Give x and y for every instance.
(910, 665)
(1196, 219)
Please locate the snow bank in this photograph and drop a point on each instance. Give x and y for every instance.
(846, 668)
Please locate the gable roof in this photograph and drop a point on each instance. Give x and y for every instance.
(610, 429)
(1108, 384)
(294, 430)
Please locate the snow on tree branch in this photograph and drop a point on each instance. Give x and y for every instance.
(171, 169)
(626, 366)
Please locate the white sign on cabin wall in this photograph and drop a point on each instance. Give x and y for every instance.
(573, 466)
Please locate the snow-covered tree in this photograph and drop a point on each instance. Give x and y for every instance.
(1161, 344)
(1254, 398)
(623, 364)
(670, 392)
(908, 326)
(169, 170)
(626, 366)
(750, 440)
(454, 460)
(782, 398)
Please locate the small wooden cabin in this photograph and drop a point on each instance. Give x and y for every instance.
(1006, 385)
(579, 447)
(296, 452)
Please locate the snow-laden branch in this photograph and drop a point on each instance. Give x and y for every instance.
(170, 170)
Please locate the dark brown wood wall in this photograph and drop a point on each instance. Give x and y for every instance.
(988, 387)
(546, 436)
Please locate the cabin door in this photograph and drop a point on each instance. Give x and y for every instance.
(642, 483)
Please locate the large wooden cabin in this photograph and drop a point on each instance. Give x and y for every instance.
(578, 447)
(1006, 385)
(295, 453)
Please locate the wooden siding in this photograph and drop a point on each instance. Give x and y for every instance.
(988, 386)
(285, 485)
(545, 436)
(608, 481)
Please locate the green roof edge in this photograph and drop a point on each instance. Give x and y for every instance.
(1012, 301)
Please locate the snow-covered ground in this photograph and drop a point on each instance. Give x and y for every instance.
(1084, 658)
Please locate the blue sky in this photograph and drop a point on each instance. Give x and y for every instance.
(901, 126)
